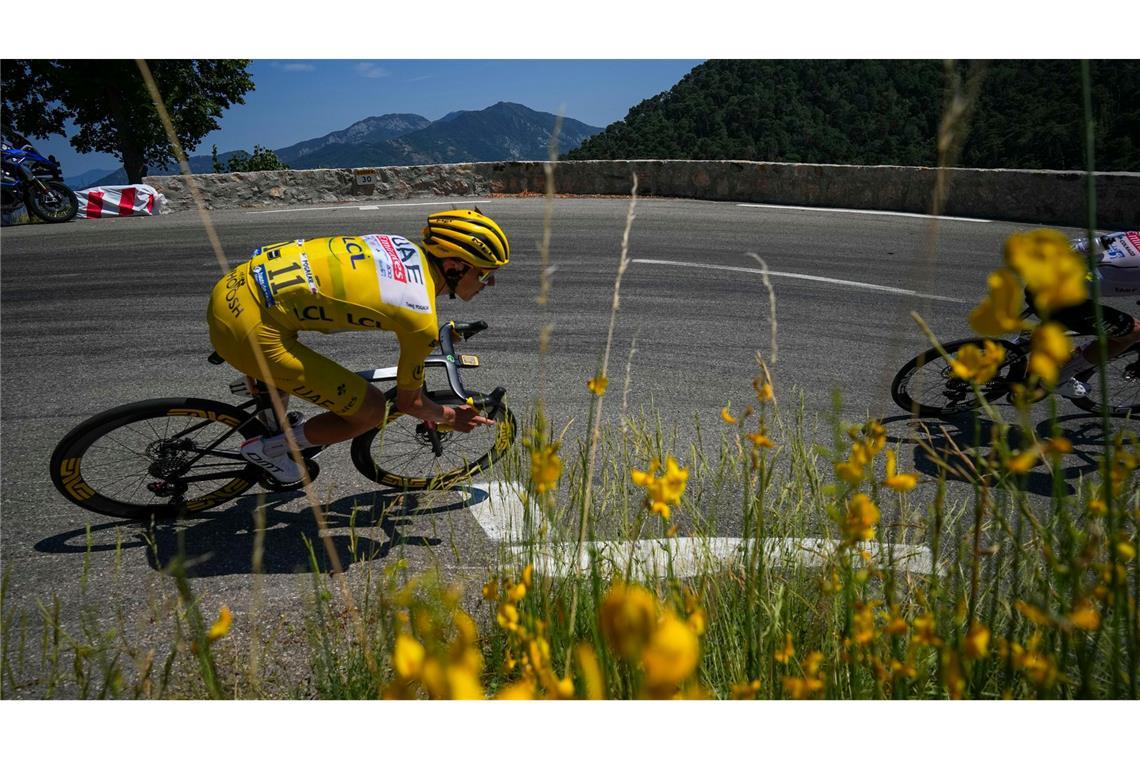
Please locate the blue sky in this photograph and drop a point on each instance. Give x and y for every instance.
(296, 100)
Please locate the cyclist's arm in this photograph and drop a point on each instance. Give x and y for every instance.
(416, 403)
(410, 397)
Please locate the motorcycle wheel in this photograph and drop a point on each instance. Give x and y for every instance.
(55, 202)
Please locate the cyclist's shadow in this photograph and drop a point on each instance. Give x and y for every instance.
(953, 437)
(224, 543)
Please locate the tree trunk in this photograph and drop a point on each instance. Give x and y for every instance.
(133, 161)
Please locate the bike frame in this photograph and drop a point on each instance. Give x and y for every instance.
(261, 406)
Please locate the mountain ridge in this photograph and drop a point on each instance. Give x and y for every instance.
(501, 132)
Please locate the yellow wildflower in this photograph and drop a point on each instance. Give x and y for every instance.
(221, 626)
(1023, 462)
(597, 385)
(761, 441)
(545, 467)
(1059, 445)
(901, 482)
(516, 592)
(1034, 614)
(764, 392)
(628, 617)
(1049, 348)
(528, 576)
(728, 418)
(1000, 311)
(408, 657)
(1085, 616)
(507, 616)
(952, 677)
(1097, 507)
(1125, 551)
(864, 623)
(1051, 270)
(524, 689)
(463, 684)
(788, 652)
(896, 624)
(860, 519)
(978, 365)
(925, 631)
(977, 641)
(849, 471)
(747, 690)
(491, 590)
(812, 681)
(670, 657)
(664, 490)
(591, 671)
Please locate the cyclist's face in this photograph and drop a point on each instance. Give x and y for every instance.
(473, 281)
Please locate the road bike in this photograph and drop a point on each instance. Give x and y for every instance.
(169, 457)
(927, 387)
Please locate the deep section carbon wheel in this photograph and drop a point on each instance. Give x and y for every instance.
(1123, 386)
(161, 458)
(403, 454)
(926, 386)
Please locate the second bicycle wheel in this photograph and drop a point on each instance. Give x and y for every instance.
(401, 454)
(927, 387)
(159, 458)
(1123, 375)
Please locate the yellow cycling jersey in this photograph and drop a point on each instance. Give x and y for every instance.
(332, 284)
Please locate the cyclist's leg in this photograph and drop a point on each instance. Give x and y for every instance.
(1121, 329)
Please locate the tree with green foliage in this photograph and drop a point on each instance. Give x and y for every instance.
(1028, 115)
(262, 160)
(109, 103)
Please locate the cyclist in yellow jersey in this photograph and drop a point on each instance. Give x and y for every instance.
(334, 284)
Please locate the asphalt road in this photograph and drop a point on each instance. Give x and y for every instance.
(101, 313)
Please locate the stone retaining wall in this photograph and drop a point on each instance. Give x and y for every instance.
(1036, 197)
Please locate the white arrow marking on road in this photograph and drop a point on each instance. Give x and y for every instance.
(500, 510)
(797, 276)
(689, 557)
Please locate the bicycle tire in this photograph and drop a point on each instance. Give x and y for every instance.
(399, 455)
(57, 204)
(926, 387)
(104, 464)
(1123, 386)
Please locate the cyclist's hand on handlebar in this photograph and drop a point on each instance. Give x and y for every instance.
(467, 418)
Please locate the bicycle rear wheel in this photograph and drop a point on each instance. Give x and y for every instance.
(1123, 386)
(926, 386)
(160, 458)
(400, 454)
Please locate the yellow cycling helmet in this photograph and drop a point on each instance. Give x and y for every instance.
(468, 235)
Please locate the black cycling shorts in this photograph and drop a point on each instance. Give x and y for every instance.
(1082, 318)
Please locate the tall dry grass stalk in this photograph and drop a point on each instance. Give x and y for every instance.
(315, 506)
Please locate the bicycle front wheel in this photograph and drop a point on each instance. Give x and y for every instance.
(1123, 374)
(401, 454)
(927, 387)
(160, 458)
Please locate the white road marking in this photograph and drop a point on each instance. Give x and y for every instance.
(500, 510)
(797, 276)
(503, 514)
(689, 557)
(360, 208)
(864, 211)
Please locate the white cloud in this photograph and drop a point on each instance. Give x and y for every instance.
(371, 70)
(293, 66)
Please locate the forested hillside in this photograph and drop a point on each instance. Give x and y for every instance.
(1028, 115)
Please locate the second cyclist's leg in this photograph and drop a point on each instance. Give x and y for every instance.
(1121, 329)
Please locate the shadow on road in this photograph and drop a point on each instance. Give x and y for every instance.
(957, 439)
(223, 542)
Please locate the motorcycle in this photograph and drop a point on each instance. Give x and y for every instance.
(36, 182)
